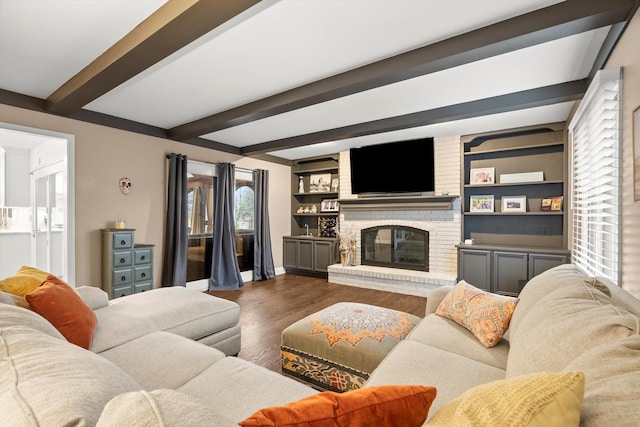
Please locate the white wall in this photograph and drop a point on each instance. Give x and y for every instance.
(626, 55)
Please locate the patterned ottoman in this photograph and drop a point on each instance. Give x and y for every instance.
(337, 348)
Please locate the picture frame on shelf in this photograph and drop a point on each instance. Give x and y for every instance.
(545, 204)
(320, 183)
(329, 205)
(482, 176)
(482, 203)
(514, 204)
(556, 203)
(636, 154)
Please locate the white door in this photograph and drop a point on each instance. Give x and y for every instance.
(48, 248)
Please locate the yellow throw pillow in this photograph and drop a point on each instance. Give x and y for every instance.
(24, 281)
(538, 400)
(388, 405)
(486, 315)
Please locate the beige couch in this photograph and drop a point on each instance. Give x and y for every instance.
(146, 365)
(564, 321)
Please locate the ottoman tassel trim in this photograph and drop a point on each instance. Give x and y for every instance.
(321, 373)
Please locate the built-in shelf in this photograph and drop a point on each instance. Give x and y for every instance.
(398, 202)
(512, 213)
(513, 184)
(317, 214)
(514, 149)
(318, 193)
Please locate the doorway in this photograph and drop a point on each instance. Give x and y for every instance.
(44, 216)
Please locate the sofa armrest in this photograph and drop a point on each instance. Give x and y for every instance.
(435, 298)
(94, 297)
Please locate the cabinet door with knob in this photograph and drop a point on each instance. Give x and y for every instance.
(127, 268)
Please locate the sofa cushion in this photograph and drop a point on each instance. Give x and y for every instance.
(24, 281)
(191, 314)
(235, 388)
(57, 302)
(545, 399)
(451, 374)
(48, 382)
(561, 327)
(159, 408)
(448, 335)
(542, 285)
(486, 315)
(612, 375)
(11, 315)
(94, 297)
(400, 406)
(157, 369)
(11, 299)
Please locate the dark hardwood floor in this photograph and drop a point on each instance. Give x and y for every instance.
(269, 306)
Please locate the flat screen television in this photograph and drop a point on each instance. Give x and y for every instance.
(397, 167)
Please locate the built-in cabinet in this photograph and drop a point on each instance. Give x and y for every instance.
(127, 268)
(514, 220)
(309, 255)
(505, 270)
(313, 244)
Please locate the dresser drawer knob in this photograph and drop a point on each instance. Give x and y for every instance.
(123, 278)
(122, 242)
(143, 275)
(121, 260)
(142, 258)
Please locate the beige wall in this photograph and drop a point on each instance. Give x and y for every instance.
(103, 155)
(625, 55)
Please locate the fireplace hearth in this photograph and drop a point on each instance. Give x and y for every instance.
(396, 247)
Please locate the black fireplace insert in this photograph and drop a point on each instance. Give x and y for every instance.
(396, 247)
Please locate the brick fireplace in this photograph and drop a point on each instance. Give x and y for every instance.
(440, 216)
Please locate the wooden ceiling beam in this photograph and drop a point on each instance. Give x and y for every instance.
(547, 95)
(173, 26)
(550, 23)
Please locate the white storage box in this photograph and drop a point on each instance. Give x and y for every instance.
(511, 178)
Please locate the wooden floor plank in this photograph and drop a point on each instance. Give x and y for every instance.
(267, 307)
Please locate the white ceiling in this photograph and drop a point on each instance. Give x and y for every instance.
(277, 46)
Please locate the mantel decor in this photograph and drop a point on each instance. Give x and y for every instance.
(391, 203)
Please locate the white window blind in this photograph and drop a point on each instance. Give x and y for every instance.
(595, 200)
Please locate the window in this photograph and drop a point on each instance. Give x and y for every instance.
(596, 178)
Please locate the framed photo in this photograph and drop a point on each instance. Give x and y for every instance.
(320, 183)
(636, 154)
(329, 205)
(514, 204)
(545, 204)
(556, 203)
(480, 176)
(481, 203)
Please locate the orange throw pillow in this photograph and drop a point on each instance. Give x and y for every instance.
(387, 405)
(57, 302)
(486, 315)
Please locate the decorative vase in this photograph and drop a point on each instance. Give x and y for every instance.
(301, 186)
(352, 252)
(344, 257)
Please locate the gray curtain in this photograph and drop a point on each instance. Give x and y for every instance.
(262, 255)
(174, 270)
(225, 273)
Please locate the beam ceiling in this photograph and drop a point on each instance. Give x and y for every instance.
(551, 23)
(170, 28)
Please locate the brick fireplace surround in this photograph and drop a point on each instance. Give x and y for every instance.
(444, 227)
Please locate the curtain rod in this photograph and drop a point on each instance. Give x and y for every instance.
(209, 163)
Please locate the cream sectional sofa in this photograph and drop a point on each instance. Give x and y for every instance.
(156, 358)
(564, 321)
